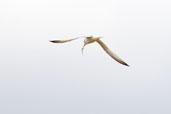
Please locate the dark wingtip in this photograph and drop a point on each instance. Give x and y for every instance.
(125, 64)
(52, 41)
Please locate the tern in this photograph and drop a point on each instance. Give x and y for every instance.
(91, 39)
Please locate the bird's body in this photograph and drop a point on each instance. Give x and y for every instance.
(91, 39)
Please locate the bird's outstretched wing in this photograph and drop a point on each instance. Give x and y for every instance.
(109, 52)
(63, 41)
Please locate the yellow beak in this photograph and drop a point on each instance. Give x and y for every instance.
(83, 46)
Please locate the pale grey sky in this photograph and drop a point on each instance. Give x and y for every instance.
(38, 77)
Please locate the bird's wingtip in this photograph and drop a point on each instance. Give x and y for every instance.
(126, 64)
(52, 41)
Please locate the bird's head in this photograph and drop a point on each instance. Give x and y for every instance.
(88, 37)
(86, 41)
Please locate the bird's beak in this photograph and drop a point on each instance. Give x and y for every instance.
(83, 48)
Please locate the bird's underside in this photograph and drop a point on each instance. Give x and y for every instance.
(103, 45)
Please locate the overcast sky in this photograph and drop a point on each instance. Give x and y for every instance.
(38, 77)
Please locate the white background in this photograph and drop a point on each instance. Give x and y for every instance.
(38, 77)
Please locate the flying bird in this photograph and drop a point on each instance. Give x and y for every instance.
(91, 39)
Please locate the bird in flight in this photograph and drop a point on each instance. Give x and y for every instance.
(91, 39)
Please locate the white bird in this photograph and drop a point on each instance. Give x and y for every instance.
(91, 39)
